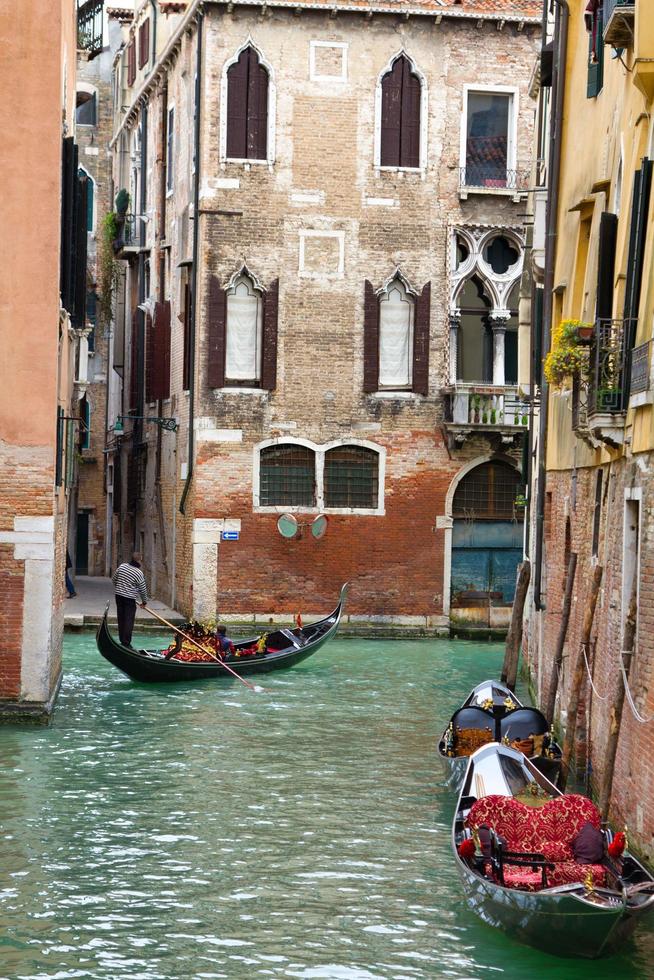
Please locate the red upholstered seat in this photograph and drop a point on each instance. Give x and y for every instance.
(523, 878)
(548, 830)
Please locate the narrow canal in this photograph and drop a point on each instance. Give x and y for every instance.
(169, 833)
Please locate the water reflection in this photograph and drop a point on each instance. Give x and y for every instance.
(204, 831)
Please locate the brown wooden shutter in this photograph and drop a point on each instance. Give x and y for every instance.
(237, 101)
(257, 109)
(421, 342)
(391, 115)
(216, 316)
(186, 367)
(131, 61)
(165, 358)
(370, 339)
(269, 345)
(150, 359)
(144, 43)
(410, 121)
(133, 365)
(159, 359)
(606, 265)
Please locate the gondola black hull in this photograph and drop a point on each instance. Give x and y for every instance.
(151, 665)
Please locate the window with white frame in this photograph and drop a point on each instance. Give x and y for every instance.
(488, 150)
(244, 323)
(342, 478)
(396, 317)
(287, 476)
(170, 150)
(351, 477)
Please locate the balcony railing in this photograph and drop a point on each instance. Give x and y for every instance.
(608, 388)
(619, 23)
(489, 177)
(640, 361)
(486, 406)
(89, 26)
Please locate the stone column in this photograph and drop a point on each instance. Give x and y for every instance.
(455, 324)
(498, 320)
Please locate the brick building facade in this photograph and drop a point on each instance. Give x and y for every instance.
(42, 326)
(321, 290)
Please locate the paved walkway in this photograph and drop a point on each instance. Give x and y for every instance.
(93, 594)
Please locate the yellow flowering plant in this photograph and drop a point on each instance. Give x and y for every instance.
(567, 356)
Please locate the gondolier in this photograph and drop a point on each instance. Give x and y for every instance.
(130, 587)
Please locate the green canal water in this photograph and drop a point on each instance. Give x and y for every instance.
(174, 832)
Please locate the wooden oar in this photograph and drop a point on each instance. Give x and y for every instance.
(253, 687)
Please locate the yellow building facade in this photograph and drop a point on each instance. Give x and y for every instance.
(591, 516)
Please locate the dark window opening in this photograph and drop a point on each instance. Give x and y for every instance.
(501, 254)
(247, 108)
(487, 139)
(86, 109)
(287, 476)
(351, 477)
(400, 116)
(489, 493)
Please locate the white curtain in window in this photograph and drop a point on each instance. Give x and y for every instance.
(395, 338)
(243, 361)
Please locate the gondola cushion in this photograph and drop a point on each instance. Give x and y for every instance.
(549, 829)
(523, 878)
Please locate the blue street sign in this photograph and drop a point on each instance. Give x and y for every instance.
(230, 535)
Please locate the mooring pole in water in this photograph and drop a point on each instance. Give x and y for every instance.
(548, 710)
(514, 636)
(579, 671)
(190, 639)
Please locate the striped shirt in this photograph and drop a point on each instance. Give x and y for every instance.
(129, 582)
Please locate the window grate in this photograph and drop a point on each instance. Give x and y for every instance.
(287, 477)
(351, 477)
(489, 492)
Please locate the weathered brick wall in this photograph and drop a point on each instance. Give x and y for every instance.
(323, 178)
(573, 498)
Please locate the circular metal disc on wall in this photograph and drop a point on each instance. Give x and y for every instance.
(319, 526)
(287, 526)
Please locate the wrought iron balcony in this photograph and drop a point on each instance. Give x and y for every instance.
(128, 234)
(619, 23)
(640, 369)
(474, 409)
(89, 26)
(608, 388)
(476, 178)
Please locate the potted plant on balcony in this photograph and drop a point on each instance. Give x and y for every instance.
(567, 356)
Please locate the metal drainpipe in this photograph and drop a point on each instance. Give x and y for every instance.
(153, 4)
(194, 276)
(554, 173)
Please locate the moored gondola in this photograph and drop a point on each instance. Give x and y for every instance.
(282, 648)
(536, 863)
(492, 713)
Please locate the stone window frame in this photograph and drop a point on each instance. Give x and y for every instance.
(424, 120)
(512, 129)
(314, 76)
(305, 233)
(272, 103)
(319, 451)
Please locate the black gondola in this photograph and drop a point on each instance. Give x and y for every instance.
(533, 886)
(284, 648)
(492, 713)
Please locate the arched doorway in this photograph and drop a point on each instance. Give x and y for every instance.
(487, 539)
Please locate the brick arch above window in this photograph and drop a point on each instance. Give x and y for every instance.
(247, 107)
(400, 141)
